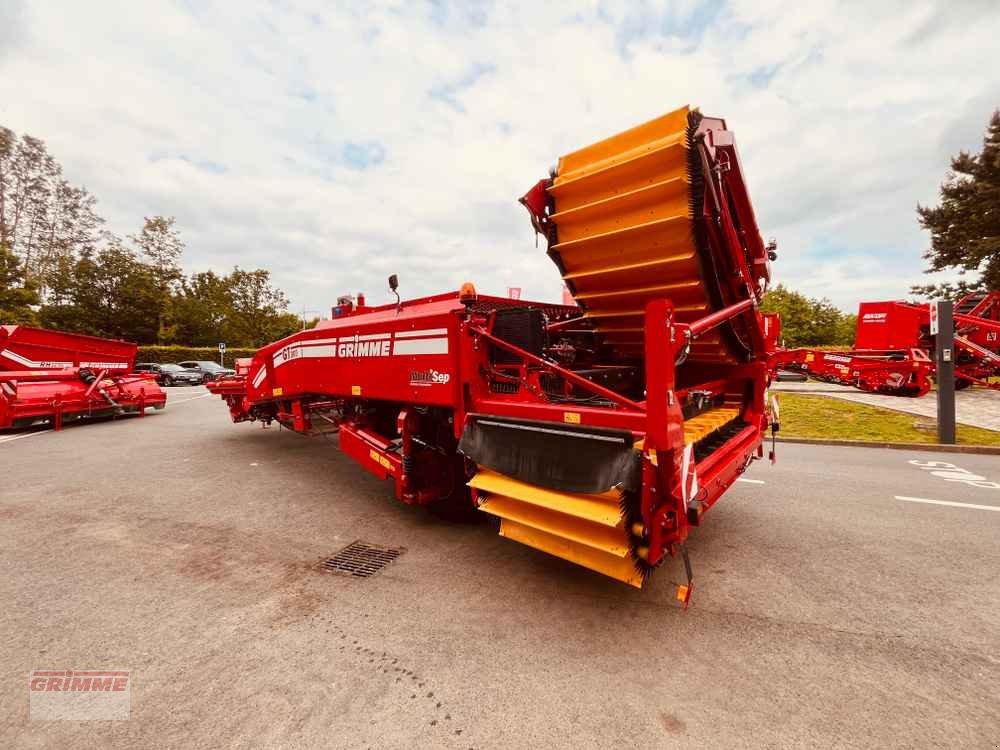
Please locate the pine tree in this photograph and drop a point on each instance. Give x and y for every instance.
(965, 227)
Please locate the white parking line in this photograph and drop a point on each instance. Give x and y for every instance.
(9, 438)
(184, 400)
(948, 502)
(751, 481)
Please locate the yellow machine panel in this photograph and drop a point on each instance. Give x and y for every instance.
(625, 234)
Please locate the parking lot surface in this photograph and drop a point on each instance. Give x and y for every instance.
(844, 597)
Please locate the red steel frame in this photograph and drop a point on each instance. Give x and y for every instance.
(393, 379)
(285, 382)
(891, 349)
(54, 376)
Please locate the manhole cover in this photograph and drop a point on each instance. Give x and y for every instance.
(361, 559)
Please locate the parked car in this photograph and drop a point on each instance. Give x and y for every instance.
(211, 370)
(790, 376)
(171, 374)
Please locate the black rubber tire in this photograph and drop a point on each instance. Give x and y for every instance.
(457, 510)
(961, 385)
(458, 507)
(168, 382)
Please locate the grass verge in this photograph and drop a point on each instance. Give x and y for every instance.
(810, 416)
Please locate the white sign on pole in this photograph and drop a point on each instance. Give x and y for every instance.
(934, 318)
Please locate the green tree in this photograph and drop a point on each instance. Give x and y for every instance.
(109, 293)
(258, 311)
(808, 322)
(161, 247)
(965, 226)
(201, 307)
(17, 297)
(42, 216)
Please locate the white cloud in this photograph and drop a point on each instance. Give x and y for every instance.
(335, 146)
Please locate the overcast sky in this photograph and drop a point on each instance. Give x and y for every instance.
(334, 143)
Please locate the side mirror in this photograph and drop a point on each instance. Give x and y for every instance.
(393, 286)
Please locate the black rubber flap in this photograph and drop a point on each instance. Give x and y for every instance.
(558, 457)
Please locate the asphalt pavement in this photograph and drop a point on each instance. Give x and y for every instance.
(844, 597)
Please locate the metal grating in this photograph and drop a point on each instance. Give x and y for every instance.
(361, 559)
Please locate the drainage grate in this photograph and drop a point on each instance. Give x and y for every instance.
(361, 559)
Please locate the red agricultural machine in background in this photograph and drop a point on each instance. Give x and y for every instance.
(54, 377)
(893, 348)
(599, 432)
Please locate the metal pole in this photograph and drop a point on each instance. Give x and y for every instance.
(945, 364)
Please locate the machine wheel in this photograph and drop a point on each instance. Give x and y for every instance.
(961, 385)
(457, 510)
(457, 507)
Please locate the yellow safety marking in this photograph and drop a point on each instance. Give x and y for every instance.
(277, 392)
(355, 390)
(571, 417)
(378, 458)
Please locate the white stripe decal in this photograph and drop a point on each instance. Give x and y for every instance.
(17, 358)
(685, 467)
(105, 365)
(35, 365)
(427, 332)
(369, 345)
(366, 337)
(46, 365)
(421, 346)
(259, 377)
(326, 350)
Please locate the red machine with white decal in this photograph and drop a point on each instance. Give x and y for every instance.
(599, 432)
(893, 348)
(53, 377)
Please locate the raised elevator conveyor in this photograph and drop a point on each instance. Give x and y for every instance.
(625, 234)
(624, 227)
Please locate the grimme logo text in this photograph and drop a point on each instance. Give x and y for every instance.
(68, 681)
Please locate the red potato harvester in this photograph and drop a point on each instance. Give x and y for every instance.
(599, 432)
(54, 377)
(893, 348)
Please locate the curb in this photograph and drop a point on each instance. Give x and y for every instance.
(988, 450)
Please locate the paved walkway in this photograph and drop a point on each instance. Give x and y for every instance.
(978, 407)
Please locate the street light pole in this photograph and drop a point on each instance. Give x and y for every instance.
(304, 311)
